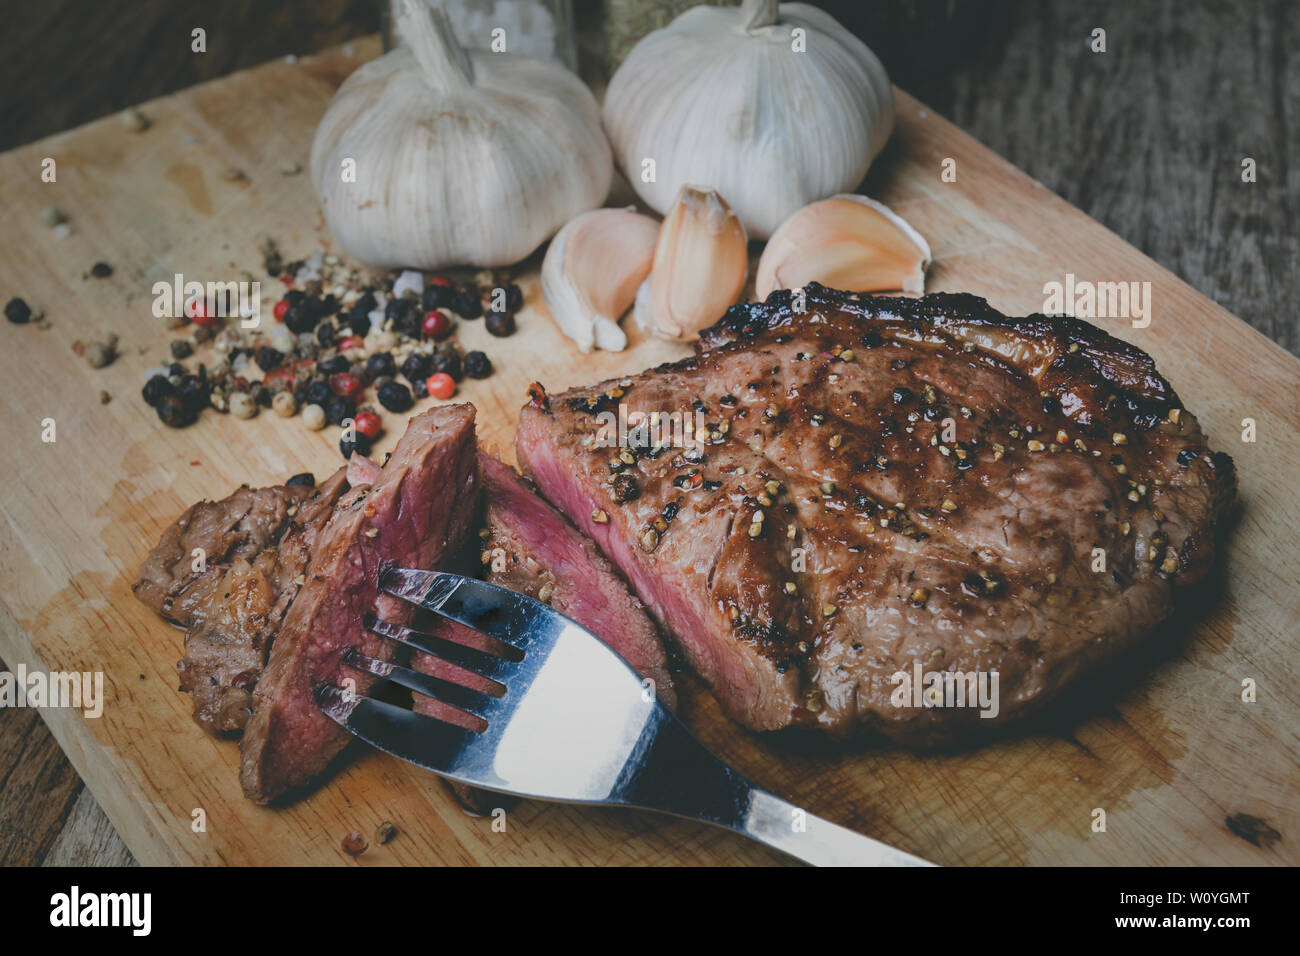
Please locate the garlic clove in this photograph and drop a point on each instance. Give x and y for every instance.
(846, 242)
(701, 263)
(591, 273)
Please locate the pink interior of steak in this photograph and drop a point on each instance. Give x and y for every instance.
(418, 510)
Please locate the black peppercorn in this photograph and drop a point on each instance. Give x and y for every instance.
(174, 412)
(266, 357)
(17, 311)
(299, 319)
(420, 388)
(303, 478)
(416, 367)
(466, 303)
(317, 393)
(338, 408)
(101, 270)
(359, 320)
(295, 296)
(181, 348)
(156, 388)
(381, 363)
(501, 324)
(325, 334)
(193, 391)
(262, 395)
(478, 365)
(514, 297)
(395, 397)
(437, 296)
(358, 443)
(447, 360)
(175, 370)
(333, 366)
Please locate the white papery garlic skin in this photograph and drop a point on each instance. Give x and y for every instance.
(846, 242)
(460, 158)
(701, 263)
(591, 273)
(721, 97)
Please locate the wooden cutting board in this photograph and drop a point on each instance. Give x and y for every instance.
(1164, 745)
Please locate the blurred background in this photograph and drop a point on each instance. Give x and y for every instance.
(1148, 138)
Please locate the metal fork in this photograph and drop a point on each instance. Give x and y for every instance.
(575, 724)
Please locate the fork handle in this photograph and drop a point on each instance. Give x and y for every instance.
(677, 774)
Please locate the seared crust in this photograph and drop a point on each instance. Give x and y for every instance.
(958, 490)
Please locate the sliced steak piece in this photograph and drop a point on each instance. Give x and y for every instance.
(255, 546)
(415, 512)
(531, 548)
(886, 484)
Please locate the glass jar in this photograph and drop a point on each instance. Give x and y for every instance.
(542, 29)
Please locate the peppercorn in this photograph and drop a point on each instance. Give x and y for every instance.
(447, 362)
(194, 392)
(300, 318)
(156, 388)
(339, 408)
(313, 416)
(381, 363)
(101, 270)
(325, 334)
(514, 297)
(317, 393)
(174, 412)
(477, 365)
(420, 388)
(266, 357)
(181, 348)
(436, 296)
(285, 405)
(334, 366)
(395, 397)
(500, 324)
(416, 367)
(359, 320)
(357, 443)
(367, 423)
(17, 311)
(303, 478)
(466, 303)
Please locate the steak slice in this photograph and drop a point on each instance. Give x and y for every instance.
(890, 484)
(531, 548)
(255, 544)
(412, 515)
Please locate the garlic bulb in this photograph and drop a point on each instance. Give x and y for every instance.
(700, 266)
(591, 273)
(846, 242)
(432, 156)
(774, 107)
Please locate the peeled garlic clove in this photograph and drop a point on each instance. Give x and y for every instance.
(591, 273)
(846, 242)
(700, 265)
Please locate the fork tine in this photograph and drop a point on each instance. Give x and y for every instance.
(473, 702)
(426, 741)
(462, 655)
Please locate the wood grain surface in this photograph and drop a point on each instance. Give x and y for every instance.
(1166, 746)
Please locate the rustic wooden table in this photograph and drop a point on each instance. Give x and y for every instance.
(1138, 137)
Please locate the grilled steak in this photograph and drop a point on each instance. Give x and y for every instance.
(888, 484)
(412, 515)
(254, 545)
